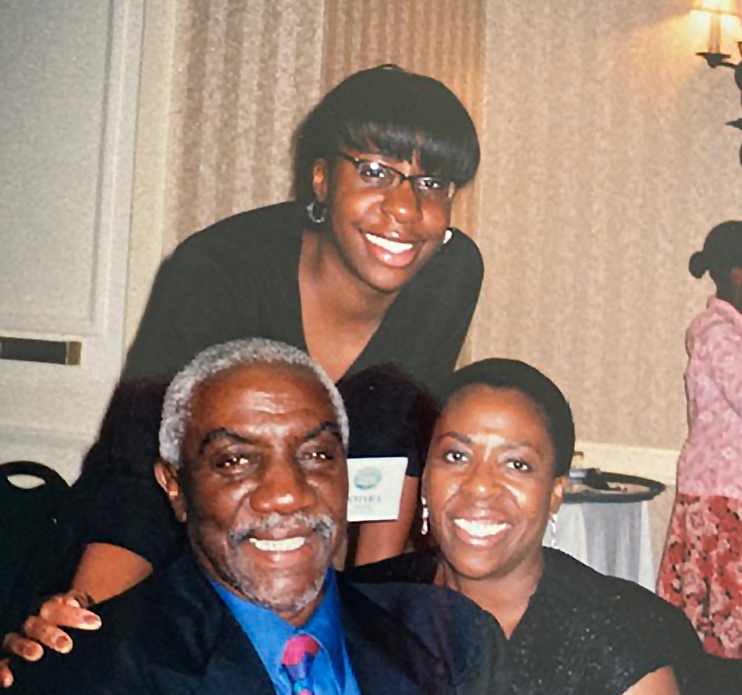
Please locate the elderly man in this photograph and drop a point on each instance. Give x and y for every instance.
(253, 442)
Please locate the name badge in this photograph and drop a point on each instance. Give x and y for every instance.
(375, 487)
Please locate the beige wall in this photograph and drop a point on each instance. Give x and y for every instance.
(247, 73)
(152, 176)
(225, 83)
(606, 160)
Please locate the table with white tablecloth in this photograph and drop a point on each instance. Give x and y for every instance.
(612, 538)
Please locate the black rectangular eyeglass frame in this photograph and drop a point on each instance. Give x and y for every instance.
(449, 187)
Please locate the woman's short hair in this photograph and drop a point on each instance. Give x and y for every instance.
(722, 251)
(500, 373)
(396, 113)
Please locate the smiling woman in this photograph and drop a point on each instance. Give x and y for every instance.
(378, 164)
(491, 488)
(498, 458)
(362, 269)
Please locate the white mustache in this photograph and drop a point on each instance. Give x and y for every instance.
(323, 524)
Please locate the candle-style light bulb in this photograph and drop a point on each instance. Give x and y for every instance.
(715, 33)
(717, 10)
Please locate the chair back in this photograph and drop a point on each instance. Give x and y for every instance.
(27, 514)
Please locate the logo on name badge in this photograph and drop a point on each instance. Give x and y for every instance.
(367, 478)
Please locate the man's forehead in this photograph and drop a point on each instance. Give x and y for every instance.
(272, 389)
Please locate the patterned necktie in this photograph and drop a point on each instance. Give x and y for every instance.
(298, 657)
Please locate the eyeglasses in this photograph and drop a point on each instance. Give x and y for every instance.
(377, 175)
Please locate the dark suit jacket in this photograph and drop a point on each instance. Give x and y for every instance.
(173, 634)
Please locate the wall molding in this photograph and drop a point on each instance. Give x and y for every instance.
(50, 413)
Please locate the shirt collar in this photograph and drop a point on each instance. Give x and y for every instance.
(268, 632)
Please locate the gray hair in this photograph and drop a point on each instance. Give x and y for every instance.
(219, 358)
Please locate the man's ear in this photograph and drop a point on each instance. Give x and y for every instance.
(168, 478)
(321, 179)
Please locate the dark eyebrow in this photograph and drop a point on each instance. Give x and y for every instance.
(231, 435)
(459, 436)
(221, 433)
(326, 426)
(510, 444)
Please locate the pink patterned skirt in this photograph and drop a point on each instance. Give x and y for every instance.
(701, 569)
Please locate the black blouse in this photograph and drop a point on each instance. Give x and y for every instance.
(239, 279)
(582, 632)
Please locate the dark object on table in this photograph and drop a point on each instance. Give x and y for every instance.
(594, 485)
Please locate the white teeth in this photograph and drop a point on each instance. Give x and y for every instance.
(282, 546)
(480, 529)
(388, 245)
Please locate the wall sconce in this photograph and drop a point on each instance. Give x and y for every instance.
(717, 10)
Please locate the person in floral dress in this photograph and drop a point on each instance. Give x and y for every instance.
(701, 569)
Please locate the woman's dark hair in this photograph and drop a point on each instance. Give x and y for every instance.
(722, 251)
(389, 413)
(500, 373)
(129, 430)
(396, 113)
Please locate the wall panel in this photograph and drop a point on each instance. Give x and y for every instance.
(67, 132)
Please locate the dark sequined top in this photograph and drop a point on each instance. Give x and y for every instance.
(582, 633)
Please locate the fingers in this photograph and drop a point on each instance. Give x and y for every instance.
(39, 633)
(6, 675)
(44, 630)
(66, 610)
(19, 645)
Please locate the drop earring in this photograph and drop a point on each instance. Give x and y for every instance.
(447, 236)
(317, 212)
(424, 528)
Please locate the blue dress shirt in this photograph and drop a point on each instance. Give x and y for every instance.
(332, 673)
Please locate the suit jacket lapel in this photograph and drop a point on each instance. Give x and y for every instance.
(235, 665)
(231, 665)
(385, 655)
(219, 657)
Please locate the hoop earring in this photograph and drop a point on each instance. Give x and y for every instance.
(447, 236)
(314, 216)
(424, 528)
(553, 525)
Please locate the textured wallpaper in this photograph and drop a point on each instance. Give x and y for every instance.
(607, 163)
(246, 73)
